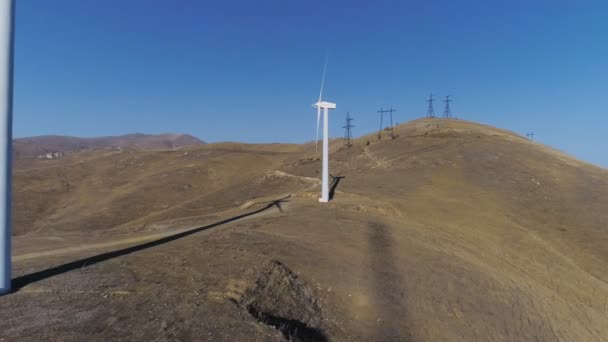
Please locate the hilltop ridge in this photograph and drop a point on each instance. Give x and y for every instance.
(451, 231)
(38, 145)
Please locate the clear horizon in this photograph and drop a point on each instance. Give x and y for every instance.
(211, 69)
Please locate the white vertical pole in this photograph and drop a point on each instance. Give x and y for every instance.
(6, 108)
(325, 180)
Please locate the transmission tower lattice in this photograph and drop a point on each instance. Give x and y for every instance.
(389, 128)
(430, 112)
(347, 132)
(447, 113)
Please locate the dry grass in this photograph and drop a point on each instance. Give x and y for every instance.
(453, 231)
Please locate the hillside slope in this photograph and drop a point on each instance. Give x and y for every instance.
(452, 231)
(34, 146)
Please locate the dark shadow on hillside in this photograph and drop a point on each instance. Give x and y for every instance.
(334, 184)
(27, 279)
(389, 291)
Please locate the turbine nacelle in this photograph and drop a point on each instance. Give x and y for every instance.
(324, 105)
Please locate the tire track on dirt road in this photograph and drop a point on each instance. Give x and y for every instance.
(379, 162)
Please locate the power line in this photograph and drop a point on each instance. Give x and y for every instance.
(430, 112)
(389, 128)
(347, 132)
(447, 113)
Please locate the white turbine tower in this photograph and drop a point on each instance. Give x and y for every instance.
(326, 106)
(6, 106)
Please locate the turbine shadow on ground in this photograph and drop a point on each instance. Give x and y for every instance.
(27, 279)
(334, 184)
(388, 286)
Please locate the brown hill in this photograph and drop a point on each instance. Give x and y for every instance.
(452, 231)
(34, 146)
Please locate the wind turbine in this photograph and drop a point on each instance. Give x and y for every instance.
(326, 106)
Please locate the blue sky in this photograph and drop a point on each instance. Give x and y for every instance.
(250, 70)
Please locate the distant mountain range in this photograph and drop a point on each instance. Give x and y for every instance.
(40, 145)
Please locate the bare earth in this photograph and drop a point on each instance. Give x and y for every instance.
(452, 231)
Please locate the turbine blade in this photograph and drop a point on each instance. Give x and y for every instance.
(323, 79)
(319, 104)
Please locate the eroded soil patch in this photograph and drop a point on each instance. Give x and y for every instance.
(280, 300)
